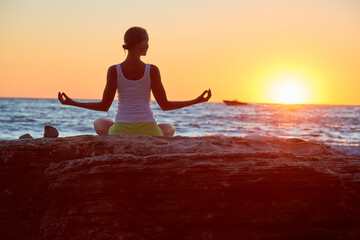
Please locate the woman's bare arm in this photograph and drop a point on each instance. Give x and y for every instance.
(107, 99)
(160, 94)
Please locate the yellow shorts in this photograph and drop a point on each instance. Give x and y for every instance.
(143, 128)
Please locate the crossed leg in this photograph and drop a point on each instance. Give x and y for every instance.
(167, 129)
(102, 125)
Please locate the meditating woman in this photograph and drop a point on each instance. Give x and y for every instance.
(134, 80)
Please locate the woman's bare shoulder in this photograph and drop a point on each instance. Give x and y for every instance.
(154, 72)
(154, 68)
(112, 67)
(112, 73)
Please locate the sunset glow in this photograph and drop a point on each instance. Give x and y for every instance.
(254, 51)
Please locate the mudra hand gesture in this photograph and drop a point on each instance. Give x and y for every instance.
(64, 99)
(202, 97)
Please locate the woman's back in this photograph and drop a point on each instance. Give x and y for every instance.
(134, 97)
(133, 71)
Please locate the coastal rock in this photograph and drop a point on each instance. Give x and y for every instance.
(141, 187)
(26, 136)
(50, 132)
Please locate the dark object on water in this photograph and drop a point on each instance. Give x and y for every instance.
(234, 103)
(26, 136)
(50, 132)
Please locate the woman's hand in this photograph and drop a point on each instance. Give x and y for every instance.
(202, 97)
(64, 99)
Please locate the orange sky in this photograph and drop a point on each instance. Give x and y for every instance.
(240, 49)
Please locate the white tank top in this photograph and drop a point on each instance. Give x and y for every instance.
(134, 98)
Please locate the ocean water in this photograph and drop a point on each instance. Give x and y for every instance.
(337, 126)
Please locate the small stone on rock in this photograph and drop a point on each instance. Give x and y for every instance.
(50, 132)
(26, 136)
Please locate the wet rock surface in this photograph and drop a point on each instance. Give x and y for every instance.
(138, 187)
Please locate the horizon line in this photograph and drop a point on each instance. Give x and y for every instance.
(269, 103)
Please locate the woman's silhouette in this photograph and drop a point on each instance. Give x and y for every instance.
(134, 81)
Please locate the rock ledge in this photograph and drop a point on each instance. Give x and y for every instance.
(138, 187)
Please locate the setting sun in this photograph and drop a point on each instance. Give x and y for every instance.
(279, 52)
(288, 90)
